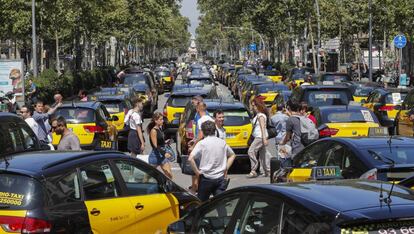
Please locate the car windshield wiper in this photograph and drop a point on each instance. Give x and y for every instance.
(381, 158)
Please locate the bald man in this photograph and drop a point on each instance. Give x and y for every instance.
(58, 99)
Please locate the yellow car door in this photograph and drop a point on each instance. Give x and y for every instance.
(154, 209)
(107, 211)
(405, 125)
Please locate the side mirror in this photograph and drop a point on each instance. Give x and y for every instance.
(177, 227)
(398, 107)
(168, 186)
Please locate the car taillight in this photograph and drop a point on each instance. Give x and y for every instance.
(24, 224)
(370, 175)
(165, 112)
(327, 132)
(93, 129)
(386, 108)
(189, 130)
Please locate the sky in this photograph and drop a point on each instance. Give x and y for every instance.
(189, 9)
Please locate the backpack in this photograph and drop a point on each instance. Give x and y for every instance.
(308, 130)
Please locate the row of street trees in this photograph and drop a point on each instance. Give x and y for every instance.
(285, 23)
(93, 32)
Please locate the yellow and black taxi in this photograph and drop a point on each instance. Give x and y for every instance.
(236, 123)
(16, 135)
(237, 78)
(361, 91)
(165, 78)
(86, 192)
(91, 122)
(344, 121)
(322, 95)
(117, 105)
(321, 207)
(178, 99)
(374, 158)
(404, 126)
(383, 102)
(241, 85)
(246, 90)
(267, 90)
(280, 100)
(274, 75)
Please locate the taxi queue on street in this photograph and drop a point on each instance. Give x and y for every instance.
(365, 150)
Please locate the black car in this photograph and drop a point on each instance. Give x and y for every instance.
(322, 95)
(87, 192)
(16, 135)
(338, 206)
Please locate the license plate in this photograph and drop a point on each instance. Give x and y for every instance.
(105, 144)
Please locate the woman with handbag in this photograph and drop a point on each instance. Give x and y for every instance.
(260, 141)
(161, 154)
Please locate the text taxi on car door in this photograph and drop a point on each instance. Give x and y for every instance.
(377, 158)
(91, 122)
(344, 121)
(321, 207)
(236, 123)
(86, 192)
(117, 105)
(383, 102)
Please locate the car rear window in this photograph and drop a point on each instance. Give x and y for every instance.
(271, 87)
(395, 98)
(163, 73)
(19, 192)
(336, 78)
(136, 79)
(77, 115)
(363, 91)
(349, 116)
(178, 101)
(16, 137)
(326, 97)
(201, 81)
(271, 73)
(298, 76)
(400, 155)
(114, 106)
(235, 118)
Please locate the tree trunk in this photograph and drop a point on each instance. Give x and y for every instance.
(42, 63)
(313, 46)
(57, 52)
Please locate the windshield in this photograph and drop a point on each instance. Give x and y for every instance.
(395, 98)
(271, 73)
(76, 115)
(136, 79)
(178, 101)
(349, 116)
(336, 78)
(270, 88)
(19, 192)
(201, 81)
(235, 118)
(326, 97)
(163, 73)
(363, 91)
(400, 155)
(298, 76)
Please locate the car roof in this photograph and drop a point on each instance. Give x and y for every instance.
(117, 97)
(340, 108)
(379, 141)
(36, 162)
(339, 195)
(75, 104)
(190, 92)
(8, 115)
(214, 104)
(318, 87)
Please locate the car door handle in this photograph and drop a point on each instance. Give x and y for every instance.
(95, 212)
(139, 206)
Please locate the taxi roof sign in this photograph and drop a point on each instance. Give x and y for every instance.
(378, 131)
(326, 173)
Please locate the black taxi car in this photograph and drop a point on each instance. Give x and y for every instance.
(322, 207)
(91, 122)
(322, 95)
(376, 158)
(86, 192)
(16, 135)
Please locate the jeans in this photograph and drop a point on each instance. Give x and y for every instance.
(207, 187)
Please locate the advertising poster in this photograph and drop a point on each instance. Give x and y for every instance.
(12, 78)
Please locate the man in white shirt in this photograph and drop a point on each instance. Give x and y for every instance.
(204, 117)
(26, 112)
(216, 157)
(219, 120)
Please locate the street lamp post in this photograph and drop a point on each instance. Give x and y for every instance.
(370, 41)
(319, 36)
(34, 47)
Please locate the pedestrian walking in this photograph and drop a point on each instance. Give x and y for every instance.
(293, 132)
(216, 157)
(195, 101)
(68, 140)
(161, 154)
(32, 94)
(136, 143)
(219, 120)
(204, 117)
(279, 121)
(26, 112)
(41, 118)
(260, 142)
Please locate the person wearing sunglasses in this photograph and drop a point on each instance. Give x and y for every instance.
(68, 140)
(26, 113)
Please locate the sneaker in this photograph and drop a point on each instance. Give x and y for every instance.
(252, 175)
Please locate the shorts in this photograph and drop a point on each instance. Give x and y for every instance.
(155, 158)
